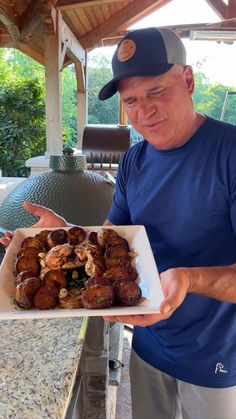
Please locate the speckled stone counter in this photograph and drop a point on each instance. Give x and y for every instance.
(38, 364)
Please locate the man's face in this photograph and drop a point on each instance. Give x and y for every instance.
(160, 108)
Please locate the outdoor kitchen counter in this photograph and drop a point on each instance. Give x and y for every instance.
(38, 365)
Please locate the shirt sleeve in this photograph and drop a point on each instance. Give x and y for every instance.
(119, 213)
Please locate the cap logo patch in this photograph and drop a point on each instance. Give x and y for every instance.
(126, 50)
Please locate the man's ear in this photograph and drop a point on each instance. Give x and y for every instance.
(189, 78)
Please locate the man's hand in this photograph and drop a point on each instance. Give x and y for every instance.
(6, 240)
(47, 219)
(175, 284)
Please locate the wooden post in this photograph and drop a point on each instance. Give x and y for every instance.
(82, 100)
(52, 60)
(123, 119)
(53, 94)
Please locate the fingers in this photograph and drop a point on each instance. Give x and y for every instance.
(35, 209)
(141, 320)
(5, 241)
(9, 234)
(47, 217)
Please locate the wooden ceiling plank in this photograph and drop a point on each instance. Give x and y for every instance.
(106, 11)
(219, 7)
(99, 15)
(72, 4)
(85, 20)
(71, 17)
(92, 17)
(113, 8)
(121, 20)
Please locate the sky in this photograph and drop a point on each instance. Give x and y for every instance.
(219, 59)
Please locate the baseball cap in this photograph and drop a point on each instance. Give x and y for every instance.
(144, 52)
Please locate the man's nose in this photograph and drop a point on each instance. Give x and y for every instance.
(147, 109)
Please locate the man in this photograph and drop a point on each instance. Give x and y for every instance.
(180, 182)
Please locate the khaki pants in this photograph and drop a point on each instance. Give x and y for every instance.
(156, 395)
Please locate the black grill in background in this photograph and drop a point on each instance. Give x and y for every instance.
(105, 144)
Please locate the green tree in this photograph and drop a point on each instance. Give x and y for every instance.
(209, 98)
(99, 112)
(22, 125)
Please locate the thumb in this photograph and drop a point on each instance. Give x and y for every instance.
(165, 307)
(35, 209)
(174, 296)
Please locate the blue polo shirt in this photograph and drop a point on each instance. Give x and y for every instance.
(186, 199)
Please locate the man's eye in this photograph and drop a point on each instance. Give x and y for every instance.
(156, 93)
(130, 102)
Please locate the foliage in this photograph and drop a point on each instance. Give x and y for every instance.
(100, 112)
(22, 106)
(209, 99)
(22, 125)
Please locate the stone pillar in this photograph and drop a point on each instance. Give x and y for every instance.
(95, 369)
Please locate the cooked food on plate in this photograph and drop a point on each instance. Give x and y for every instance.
(74, 269)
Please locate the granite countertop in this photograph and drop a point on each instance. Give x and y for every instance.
(38, 364)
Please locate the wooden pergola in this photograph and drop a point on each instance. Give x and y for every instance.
(57, 33)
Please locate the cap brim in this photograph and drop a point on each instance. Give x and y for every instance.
(108, 90)
(111, 87)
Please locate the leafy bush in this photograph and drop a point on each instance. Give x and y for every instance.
(22, 125)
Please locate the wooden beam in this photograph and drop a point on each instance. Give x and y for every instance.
(6, 41)
(231, 9)
(121, 20)
(49, 17)
(29, 20)
(72, 43)
(74, 4)
(31, 52)
(8, 19)
(219, 7)
(82, 99)
(80, 77)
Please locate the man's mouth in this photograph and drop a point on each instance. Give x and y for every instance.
(154, 124)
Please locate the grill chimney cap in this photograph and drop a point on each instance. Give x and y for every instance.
(68, 161)
(67, 151)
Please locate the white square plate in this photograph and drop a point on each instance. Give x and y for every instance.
(149, 280)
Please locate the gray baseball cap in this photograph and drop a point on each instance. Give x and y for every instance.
(144, 52)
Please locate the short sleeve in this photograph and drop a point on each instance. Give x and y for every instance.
(119, 213)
